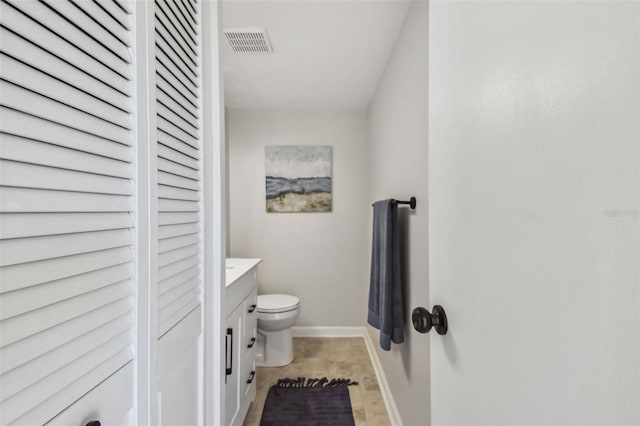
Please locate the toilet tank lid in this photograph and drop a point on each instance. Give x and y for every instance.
(276, 302)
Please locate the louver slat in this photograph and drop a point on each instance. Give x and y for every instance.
(39, 35)
(190, 8)
(14, 356)
(168, 102)
(177, 156)
(81, 374)
(173, 243)
(178, 162)
(177, 145)
(177, 267)
(23, 250)
(32, 298)
(180, 253)
(176, 132)
(177, 218)
(19, 276)
(98, 14)
(66, 203)
(34, 55)
(20, 378)
(177, 13)
(86, 24)
(171, 68)
(173, 193)
(32, 103)
(16, 200)
(175, 88)
(189, 274)
(116, 13)
(183, 123)
(42, 130)
(25, 175)
(74, 36)
(177, 309)
(177, 181)
(15, 330)
(125, 6)
(166, 205)
(174, 167)
(176, 67)
(184, 64)
(178, 37)
(173, 230)
(74, 391)
(41, 224)
(29, 151)
(39, 82)
(168, 297)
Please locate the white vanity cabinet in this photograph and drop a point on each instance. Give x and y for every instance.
(241, 337)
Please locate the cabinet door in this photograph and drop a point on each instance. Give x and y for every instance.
(234, 325)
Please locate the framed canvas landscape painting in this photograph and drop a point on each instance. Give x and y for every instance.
(298, 178)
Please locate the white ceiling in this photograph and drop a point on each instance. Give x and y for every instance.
(327, 54)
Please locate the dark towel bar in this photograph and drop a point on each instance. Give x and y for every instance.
(411, 202)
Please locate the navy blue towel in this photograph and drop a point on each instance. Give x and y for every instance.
(386, 312)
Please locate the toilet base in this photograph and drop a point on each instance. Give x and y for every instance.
(278, 348)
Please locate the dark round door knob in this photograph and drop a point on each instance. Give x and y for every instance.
(423, 321)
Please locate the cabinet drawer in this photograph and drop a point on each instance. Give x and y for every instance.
(251, 322)
(248, 384)
(237, 292)
(110, 402)
(250, 356)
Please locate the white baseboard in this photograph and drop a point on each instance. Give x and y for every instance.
(387, 396)
(390, 404)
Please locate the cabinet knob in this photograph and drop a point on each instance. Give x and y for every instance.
(251, 376)
(252, 308)
(93, 423)
(251, 342)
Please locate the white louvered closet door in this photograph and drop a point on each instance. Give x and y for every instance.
(66, 202)
(180, 247)
(179, 160)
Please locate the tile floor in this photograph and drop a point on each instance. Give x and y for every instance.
(336, 357)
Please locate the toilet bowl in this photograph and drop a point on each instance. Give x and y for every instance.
(276, 315)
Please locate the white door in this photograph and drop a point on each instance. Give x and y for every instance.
(178, 76)
(533, 209)
(67, 212)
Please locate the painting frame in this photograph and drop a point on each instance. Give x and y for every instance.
(299, 178)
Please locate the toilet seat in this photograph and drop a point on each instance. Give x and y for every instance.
(276, 303)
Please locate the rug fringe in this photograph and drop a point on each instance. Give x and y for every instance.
(303, 382)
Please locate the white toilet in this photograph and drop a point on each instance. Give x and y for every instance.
(276, 315)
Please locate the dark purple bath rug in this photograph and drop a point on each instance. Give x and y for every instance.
(308, 402)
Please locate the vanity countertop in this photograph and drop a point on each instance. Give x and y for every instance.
(237, 267)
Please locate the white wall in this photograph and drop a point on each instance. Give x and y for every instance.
(533, 183)
(397, 169)
(318, 257)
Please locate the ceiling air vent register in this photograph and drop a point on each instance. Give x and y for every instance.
(248, 40)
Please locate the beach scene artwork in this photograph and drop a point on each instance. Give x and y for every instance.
(298, 178)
